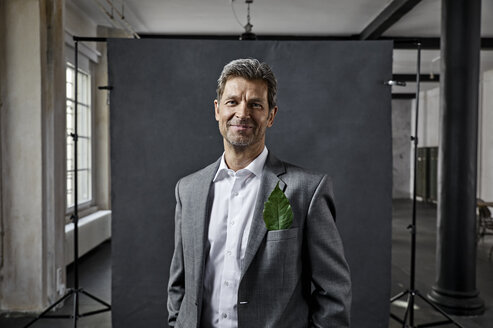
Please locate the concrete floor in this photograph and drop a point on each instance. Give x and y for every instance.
(425, 266)
(96, 276)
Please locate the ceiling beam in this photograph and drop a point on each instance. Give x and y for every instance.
(388, 17)
(399, 42)
(237, 37)
(429, 43)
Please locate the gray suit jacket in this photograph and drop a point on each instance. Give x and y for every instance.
(290, 278)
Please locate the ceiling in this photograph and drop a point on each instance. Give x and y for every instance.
(289, 18)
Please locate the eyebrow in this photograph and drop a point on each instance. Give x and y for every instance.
(233, 96)
(230, 96)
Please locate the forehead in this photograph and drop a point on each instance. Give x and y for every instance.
(239, 85)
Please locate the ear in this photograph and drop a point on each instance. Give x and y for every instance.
(216, 109)
(272, 115)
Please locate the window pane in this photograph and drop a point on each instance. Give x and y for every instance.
(83, 158)
(70, 82)
(84, 186)
(83, 121)
(70, 189)
(70, 153)
(81, 89)
(84, 162)
(70, 74)
(70, 117)
(83, 86)
(70, 91)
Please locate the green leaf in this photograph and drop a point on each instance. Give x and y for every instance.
(278, 214)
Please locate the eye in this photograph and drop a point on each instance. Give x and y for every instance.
(256, 105)
(231, 102)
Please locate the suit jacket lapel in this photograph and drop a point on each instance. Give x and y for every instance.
(273, 169)
(202, 198)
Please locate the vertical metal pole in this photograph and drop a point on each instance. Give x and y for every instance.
(76, 205)
(75, 219)
(455, 288)
(412, 277)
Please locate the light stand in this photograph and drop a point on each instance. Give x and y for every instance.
(412, 292)
(77, 290)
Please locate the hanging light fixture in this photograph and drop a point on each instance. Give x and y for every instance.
(248, 34)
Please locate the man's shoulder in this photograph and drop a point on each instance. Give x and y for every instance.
(308, 182)
(298, 172)
(201, 175)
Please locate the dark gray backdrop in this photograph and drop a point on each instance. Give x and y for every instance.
(334, 116)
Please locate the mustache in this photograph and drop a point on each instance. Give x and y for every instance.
(236, 121)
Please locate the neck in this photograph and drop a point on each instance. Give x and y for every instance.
(238, 158)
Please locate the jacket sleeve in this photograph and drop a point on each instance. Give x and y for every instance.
(176, 284)
(330, 299)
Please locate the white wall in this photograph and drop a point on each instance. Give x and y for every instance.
(401, 148)
(403, 117)
(485, 173)
(77, 23)
(428, 117)
(429, 130)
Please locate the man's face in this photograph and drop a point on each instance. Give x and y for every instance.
(243, 112)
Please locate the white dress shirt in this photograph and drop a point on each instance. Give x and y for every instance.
(235, 194)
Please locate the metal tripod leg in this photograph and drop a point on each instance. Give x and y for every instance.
(43, 314)
(438, 309)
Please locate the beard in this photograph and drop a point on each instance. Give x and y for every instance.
(241, 139)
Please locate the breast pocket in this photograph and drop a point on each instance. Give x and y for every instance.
(282, 259)
(284, 234)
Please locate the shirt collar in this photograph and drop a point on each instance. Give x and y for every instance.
(255, 167)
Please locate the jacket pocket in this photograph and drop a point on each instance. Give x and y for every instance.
(273, 235)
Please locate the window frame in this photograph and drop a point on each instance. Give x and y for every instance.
(86, 207)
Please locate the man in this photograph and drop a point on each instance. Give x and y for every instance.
(229, 269)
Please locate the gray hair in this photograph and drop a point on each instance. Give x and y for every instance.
(250, 69)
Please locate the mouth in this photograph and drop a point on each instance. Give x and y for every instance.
(240, 126)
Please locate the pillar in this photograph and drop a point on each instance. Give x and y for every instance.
(455, 287)
(32, 103)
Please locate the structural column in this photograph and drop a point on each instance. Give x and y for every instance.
(32, 134)
(455, 288)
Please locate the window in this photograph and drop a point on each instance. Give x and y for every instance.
(84, 161)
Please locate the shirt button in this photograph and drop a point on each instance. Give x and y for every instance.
(232, 222)
(235, 194)
(226, 283)
(225, 315)
(228, 253)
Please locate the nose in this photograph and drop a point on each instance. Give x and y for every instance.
(242, 110)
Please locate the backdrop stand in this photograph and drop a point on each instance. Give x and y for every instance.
(412, 292)
(76, 291)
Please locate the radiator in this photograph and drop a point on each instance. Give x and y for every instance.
(93, 230)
